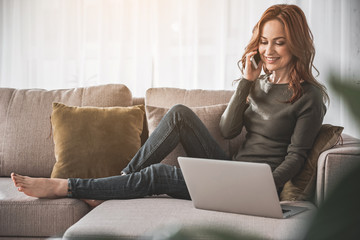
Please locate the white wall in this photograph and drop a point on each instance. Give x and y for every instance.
(337, 42)
(162, 43)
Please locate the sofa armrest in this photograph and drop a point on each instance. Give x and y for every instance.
(334, 164)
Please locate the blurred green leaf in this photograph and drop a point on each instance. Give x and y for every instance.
(338, 217)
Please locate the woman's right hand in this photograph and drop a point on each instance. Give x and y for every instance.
(250, 73)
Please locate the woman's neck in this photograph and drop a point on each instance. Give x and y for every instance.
(278, 78)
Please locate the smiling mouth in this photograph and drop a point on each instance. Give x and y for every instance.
(271, 59)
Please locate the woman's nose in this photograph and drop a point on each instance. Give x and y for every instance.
(269, 49)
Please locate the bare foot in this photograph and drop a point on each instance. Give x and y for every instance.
(93, 203)
(41, 187)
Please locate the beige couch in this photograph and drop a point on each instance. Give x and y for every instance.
(26, 147)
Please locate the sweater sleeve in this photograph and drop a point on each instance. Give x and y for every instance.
(231, 121)
(308, 124)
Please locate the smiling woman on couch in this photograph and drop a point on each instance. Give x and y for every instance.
(282, 112)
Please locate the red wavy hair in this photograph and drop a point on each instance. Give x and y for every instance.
(299, 41)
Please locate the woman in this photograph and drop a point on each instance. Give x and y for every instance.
(282, 112)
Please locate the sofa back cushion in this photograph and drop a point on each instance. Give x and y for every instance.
(168, 97)
(207, 104)
(26, 146)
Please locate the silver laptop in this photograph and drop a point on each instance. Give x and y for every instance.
(232, 186)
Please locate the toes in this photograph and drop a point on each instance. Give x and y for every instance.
(19, 185)
(18, 179)
(13, 177)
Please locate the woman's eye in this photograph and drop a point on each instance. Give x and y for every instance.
(262, 42)
(280, 43)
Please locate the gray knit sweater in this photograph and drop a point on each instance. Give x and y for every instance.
(278, 133)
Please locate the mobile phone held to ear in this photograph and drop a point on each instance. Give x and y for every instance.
(255, 60)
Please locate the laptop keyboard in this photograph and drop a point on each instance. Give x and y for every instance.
(285, 211)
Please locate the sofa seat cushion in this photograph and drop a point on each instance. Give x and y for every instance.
(21, 215)
(128, 219)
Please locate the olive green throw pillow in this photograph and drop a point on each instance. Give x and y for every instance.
(302, 186)
(94, 142)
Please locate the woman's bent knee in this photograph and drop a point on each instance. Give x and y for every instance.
(181, 110)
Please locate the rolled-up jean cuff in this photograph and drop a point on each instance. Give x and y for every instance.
(70, 188)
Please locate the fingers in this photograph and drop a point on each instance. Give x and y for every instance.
(249, 56)
(250, 72)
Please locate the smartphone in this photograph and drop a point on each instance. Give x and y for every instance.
(255, 60)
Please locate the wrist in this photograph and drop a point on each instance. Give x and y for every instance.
(244, 84)
(249, 78)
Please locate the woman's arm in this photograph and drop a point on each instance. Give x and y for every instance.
(309, 121)
(231, 121)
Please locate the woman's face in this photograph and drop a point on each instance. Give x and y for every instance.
(273, 47)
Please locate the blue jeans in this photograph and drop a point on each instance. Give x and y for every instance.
(145, 175)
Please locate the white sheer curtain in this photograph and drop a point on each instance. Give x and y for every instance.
(160, 43)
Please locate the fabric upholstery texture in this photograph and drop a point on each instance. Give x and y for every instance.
(26, 146)
(30, 238)
(209, 115)
(21, 215)
(167, 97)
(164, 213)
(302, 186)
(334, 164)
(94, 142)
